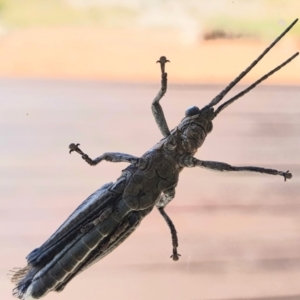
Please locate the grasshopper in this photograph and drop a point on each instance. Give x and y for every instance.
(107, 217)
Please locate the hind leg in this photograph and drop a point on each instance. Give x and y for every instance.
(162, 203)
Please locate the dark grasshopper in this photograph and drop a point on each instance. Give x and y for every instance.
(106, 218)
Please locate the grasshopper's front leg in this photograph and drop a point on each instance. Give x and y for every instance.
(223, 167)
(108, 156)
(156, 107)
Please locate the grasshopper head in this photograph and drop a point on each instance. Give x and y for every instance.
(193, 129)
(201, 119)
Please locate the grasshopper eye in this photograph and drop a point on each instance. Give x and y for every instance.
(194, 110)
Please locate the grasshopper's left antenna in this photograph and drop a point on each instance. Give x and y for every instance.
(220, 96)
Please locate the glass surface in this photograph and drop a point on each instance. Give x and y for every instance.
(85, 72)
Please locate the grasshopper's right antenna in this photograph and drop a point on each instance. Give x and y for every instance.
(220, 96)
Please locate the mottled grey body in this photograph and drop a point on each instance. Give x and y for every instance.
(126, 202)
(111, 214)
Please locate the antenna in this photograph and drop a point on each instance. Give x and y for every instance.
(253, 85)
(222, 94)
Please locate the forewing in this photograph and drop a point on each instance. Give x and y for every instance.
(85, 213)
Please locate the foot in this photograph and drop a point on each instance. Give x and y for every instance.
(74, 147)
(286, 175)
(163, 60)
(175, 255)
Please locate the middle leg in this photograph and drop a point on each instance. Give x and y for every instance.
(108, 156)
(223, 167)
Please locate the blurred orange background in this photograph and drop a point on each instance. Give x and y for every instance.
(121, 40)
(85, 71)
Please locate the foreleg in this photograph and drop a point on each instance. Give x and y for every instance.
(108, 156)
(223, 167)
(156, 107)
